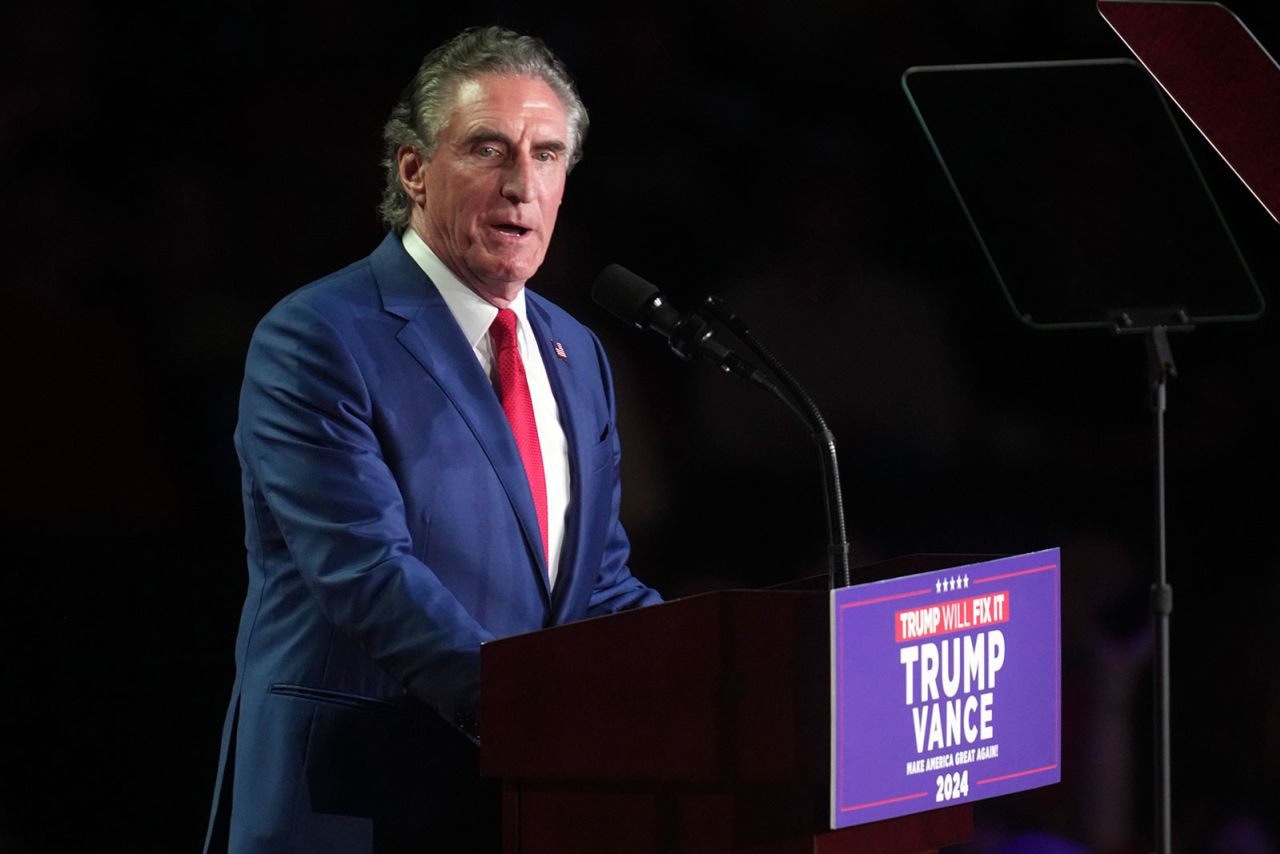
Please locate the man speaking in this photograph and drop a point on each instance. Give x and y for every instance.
(429, 461)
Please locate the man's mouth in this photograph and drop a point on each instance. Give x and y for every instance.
(511, 229)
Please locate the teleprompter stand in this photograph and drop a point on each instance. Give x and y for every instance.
(1234, 101)
(1093, 214)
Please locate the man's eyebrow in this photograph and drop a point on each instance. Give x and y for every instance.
(486, 135)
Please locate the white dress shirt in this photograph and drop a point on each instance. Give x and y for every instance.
(474, 316)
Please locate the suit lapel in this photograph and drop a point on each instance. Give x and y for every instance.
(576, 418)
(432, 336)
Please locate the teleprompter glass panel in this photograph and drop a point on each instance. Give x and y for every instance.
(1082, 193)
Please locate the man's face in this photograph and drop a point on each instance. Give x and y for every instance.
(493, 186)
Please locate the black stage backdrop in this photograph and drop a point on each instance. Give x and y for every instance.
(169, 175)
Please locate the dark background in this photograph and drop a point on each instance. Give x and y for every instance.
(167, 176)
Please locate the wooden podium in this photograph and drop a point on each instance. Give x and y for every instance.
(699, 726)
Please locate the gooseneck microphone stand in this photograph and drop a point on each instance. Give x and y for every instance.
(637, 302)
(799, 402)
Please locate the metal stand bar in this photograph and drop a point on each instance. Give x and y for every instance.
(1162, 369)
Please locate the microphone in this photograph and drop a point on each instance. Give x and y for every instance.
(635, 301)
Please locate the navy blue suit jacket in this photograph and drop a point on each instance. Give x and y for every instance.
(390, 532)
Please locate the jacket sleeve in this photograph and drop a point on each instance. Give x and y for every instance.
(306, 437)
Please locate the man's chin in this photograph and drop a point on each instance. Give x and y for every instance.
(505, 278)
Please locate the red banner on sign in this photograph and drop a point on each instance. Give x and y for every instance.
(960, 614)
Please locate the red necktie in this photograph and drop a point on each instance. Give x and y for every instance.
(517, 402)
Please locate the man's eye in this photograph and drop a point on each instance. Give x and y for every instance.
(488, 151)
(546, 156)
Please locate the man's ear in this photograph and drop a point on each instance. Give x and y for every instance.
(412, 167)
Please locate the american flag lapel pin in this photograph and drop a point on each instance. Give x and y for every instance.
(559, 348)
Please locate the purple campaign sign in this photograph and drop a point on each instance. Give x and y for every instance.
(947, 687)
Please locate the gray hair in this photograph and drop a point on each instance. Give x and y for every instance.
(425, 105)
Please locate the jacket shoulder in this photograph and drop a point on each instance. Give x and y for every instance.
(335, 294)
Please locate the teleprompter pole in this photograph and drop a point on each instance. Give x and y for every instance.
(1162, 369)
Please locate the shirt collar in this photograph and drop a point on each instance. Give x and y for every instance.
(473, 314)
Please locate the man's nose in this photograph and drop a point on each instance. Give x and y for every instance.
(518, 182)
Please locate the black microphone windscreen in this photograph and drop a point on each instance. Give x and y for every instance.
(622, 293)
